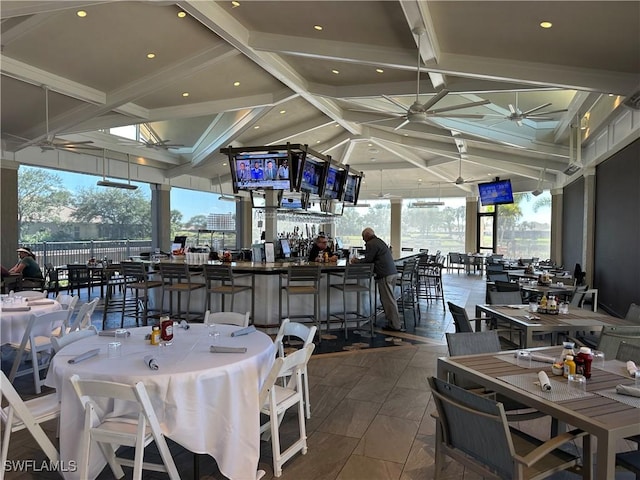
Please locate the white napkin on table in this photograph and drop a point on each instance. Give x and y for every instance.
(244, 331)
(219, 349)
(111, 333)
(631, 368)
(42, 302)
(84, 356)
(151, 362)
(16, 309)
(545, 384)
(627, 390)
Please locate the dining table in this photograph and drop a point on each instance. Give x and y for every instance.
(207, 402)
(606, 415)
(530, 323)
(14, 317)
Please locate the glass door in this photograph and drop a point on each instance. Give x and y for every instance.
(487, 232)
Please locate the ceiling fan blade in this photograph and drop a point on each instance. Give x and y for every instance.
(547, 113)
(69, 144)
(536, 117)
(459, 107)
(513, 109)
(401, 125)
(535, 109)
(396, 103)
(519, 123)
(457, 115)
(377, 112)
(435, 99)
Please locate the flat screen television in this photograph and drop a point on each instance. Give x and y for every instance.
(258, 199)
(312, 174)
(495, 193)
(261, 171)
(352, 188)
(293, 201)
(334, 182)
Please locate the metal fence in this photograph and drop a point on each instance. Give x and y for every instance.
(63, 253)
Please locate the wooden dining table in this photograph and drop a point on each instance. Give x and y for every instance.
(529, 323)
(605, 415)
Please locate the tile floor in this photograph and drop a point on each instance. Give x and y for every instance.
(370, 410)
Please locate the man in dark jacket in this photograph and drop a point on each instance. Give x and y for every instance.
(386, 274)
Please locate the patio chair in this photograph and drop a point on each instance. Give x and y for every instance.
(59, 342)
(633, 313)
(227, 318)
(460, 318)
(474, 431)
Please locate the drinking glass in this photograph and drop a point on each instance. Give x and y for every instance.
(114, 350)
(523, 358)
(533, 307)
(598, 359)
(577, 383)
(637, 376)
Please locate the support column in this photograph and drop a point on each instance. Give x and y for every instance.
(395, 239)
(161, 217)
(556, 225)
(9, 212)
(471, 225)
(271, 217)
(589, 224)
(244, 223)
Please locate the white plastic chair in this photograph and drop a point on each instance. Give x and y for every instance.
(276, 400)
(68, 304)
(227, 318)
(109, 432)
(19, 414)
(58, 342)
(32, 294)
(83, 318)
(36, 339)
(304, 333)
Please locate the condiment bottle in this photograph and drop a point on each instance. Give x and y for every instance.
(155, 335)
(543, 302)
(326, 257)
(166, 329)
(553, 304)
(585, 355)
(579, 365)
(569, 366)
(567, 349)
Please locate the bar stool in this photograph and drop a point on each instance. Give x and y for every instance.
(227, 284)
(301, 280)
(176, 278)
(408, 300)
(356, 279)
(136, 279)
(430, 283)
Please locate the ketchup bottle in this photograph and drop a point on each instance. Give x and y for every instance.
(166, 329)
(586, 355)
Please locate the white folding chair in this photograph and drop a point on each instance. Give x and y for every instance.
(19, 414)
(304, 333)
(137, 430)
(58, 342)
(227, 318)
(276, 400)
(35, 340)
(68, 304)
(83, 318)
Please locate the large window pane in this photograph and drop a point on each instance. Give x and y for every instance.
(524, 227)
(434, 227)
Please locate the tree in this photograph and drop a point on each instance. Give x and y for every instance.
(197, 222)
(176, 222)
(128, 212)
(40, 196)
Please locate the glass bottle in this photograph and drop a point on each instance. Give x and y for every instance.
(569, 366)
(587, 357)
(155, 335)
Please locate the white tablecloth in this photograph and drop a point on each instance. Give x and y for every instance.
(13, 324)
(206, 402)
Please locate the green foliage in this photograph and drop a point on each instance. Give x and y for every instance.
(176, 222)
(197, 222)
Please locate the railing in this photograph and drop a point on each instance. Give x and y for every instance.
(62, 253)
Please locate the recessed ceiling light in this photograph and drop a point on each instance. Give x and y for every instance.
(151, 55)
(379, 70)
(405, 134)
(317, 141)
(224, 164)
(235, 4)
(337, 125)
(369, 144)
(81, 13)
(282, 112)
(372, 159)
(256, 127)
(185, 94)
(546, 24)
(236, 84)
(182, 14)
(318, 27)
(335, 71)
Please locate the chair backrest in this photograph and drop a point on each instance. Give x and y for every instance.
(77, 273)
(304, 274)
(495, 268)
(611, 338)
(133, 271)
(471, 343)
(504, 298)
(83, 318)
(294, 329)
(578, 296)
(628, 351)
(175, 272)
(633, 313)
(58, 342)
(358, 272)
(460, 318)
(475, 425)
(284, 366)
(497, 276)
(227, 318)
(218, 273)
(506, 286)
(408, 271)
(68, 302)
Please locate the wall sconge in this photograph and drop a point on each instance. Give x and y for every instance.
(584, 122)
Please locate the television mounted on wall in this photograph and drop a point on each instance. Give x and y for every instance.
(312, 173)
(495, 193)
(293, 201)
(352, 187)
(334, 182)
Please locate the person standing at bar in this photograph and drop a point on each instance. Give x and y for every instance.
(386, 274)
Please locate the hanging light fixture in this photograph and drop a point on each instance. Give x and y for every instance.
(539, 190)
(108, 183)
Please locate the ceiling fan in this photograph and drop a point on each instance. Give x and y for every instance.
(421, 112)
(50, 142)
(161, 144)
(381, 193)
(461, 180)
(516, 115)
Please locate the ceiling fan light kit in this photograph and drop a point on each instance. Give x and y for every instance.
(427, 204)
(109, 183)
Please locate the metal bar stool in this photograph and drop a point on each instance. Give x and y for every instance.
(430, 280)
(176, 278)
(136, 279)
(302, 280)
(357, 278)
(227, 284)
(408, 300)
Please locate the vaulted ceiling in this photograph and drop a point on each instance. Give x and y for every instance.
(261, 73)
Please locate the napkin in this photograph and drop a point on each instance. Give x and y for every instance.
(545, 385)
(217, 349)
(538, 357)
(151, 362)
(626, 390)
(84, 356)
(632, 369)
(184, 324)
(16, 309)
(111, 333)
(243, 331)
(42, 302)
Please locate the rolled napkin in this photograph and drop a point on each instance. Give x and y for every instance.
(545, 385)
(16, 309)
(538, 357)
(84, 356)
(111, 333)
(244, 331)
(184, 324)
(151, 362)
(218, 349)
(632, 369)
(627, 390)
(42, 302)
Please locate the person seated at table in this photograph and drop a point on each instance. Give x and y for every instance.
(28, 267)
(5, 271)
(320, 246)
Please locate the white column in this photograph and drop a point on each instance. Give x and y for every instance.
(589, 223)
(471, 225)
(396, 227)
(9, 212)
(161, 217)
(556, 225)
